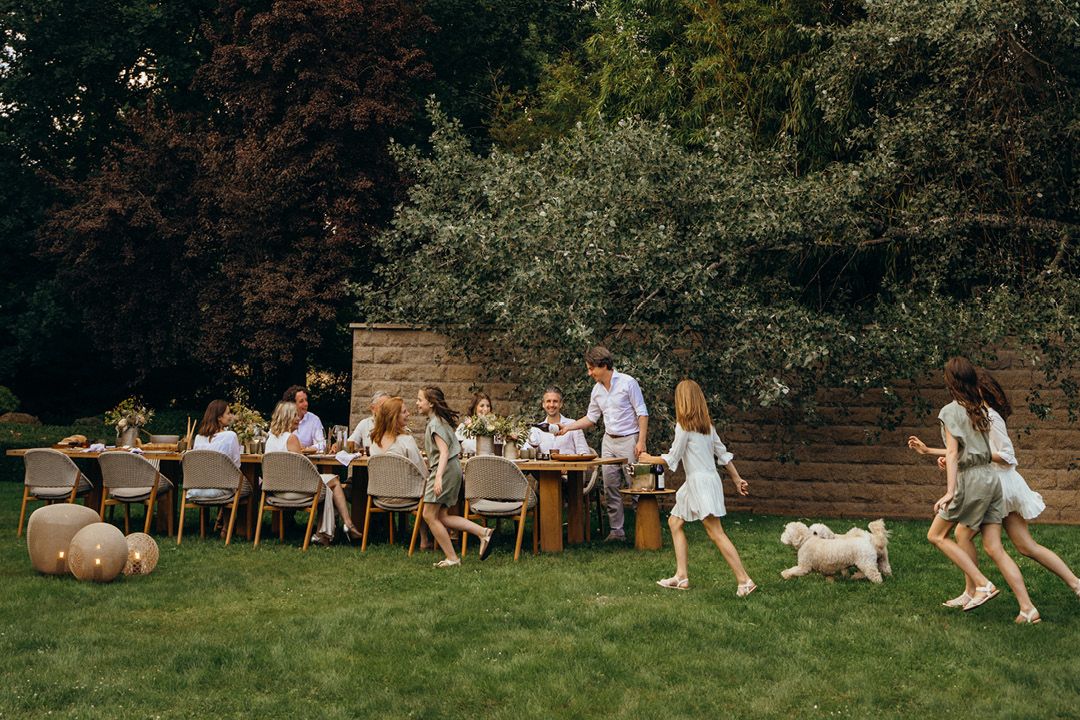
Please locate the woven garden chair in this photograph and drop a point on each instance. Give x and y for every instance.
(51, 476)
(211, 470)
(128, 478)
(289, 482)
(395, 485)
(496, 488)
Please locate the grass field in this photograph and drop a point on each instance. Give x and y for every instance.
(273, 632)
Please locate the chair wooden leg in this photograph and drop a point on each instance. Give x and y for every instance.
(258, 524)
(311, 520)
(127, 518)
(416, 525)
(390, 524)
(22, 512)
(150, 503)
(520, 530)
(104, 502)
(169, 501)
(74, 489)
(180, 527)
(367, 524)
(465, 535)
(232, 517)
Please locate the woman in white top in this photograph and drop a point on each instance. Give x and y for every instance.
(481, 405)
(701, 497)
(214, 434)
(282, 438)
(1021, 502)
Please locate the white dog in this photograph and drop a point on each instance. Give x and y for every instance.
(830, 555)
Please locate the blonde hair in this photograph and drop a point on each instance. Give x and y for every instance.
(691, 412)
(283, 418)
(388, 420)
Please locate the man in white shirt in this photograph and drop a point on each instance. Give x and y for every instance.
(310, 433)
(362, 434)
(572, 443)
(616, 398)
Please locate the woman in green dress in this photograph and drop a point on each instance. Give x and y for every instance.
(444, 481)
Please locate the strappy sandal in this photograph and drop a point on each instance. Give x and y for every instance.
(675, 583)
(989, 592)
(746, 588)
(486, 543)
(447, 563)
(957, 602)
(352, 533)
(1031, 617)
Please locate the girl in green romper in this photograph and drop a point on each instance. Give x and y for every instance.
(973, 492)
(444, 482)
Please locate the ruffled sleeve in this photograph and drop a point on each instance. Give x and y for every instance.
(678, 448)
(720, 451)
(1000, 442)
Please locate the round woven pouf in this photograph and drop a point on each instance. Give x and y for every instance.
(49, 532)
(98, 552)
(142, 554)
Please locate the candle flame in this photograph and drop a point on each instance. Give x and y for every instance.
(61, 555)
(97, 561)
(136, 555)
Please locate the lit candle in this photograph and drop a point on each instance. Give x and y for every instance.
(136, 556)
(97, 561)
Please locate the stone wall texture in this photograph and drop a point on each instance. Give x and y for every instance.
(847, 467)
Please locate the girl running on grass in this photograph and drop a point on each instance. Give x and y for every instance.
(972, 499)
(701, 497)
(1021, 502)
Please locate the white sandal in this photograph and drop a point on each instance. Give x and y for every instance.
(957, 602)
(675, 583)
(1030, 617)
(989, 592)
(746, 588)
(447, 563)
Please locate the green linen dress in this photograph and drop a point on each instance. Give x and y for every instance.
(978, 498)
(451, 480)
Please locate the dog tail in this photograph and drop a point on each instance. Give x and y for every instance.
(879, 536)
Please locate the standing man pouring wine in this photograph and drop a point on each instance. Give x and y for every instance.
(616, 398)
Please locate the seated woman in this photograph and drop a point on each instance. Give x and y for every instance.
(282, 438)
(390, 436)
(481, 405)
(214, 434)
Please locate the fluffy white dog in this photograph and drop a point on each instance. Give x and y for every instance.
(830, 555)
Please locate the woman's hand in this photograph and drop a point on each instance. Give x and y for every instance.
(943, 502)
(438, 486)
(941, 463)
(917, 445)
(742, 486)
(651, 459)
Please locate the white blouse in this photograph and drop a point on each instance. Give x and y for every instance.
(700, 452)
(278, 443)
(999, 438)
(224, 442)
(405, 446)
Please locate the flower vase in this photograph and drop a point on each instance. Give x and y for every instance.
(510, 451)
(485, 445)
(127, 437)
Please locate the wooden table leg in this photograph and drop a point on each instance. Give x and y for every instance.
(551, 511)
(251, 473)
(647, 525)
(575, 508)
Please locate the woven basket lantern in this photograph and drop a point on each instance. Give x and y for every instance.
(142, 554)
(98, 552)
(49, 534)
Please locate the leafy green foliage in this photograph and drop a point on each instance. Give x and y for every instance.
(8, 401)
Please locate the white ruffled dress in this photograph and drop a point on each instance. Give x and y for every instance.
(702, 494)
(1018, 497)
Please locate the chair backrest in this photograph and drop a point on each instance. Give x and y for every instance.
(289, 472)
(122, 469)
(50, 468)
(590, 482)
(489, 477)
(210, 469)
(394, 476)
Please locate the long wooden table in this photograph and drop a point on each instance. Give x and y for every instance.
(548, 472)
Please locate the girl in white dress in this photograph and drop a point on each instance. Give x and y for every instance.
(1021, 502)
(282, 438)
(701, 497)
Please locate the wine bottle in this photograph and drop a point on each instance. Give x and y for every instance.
(543, 426)
(659, 471)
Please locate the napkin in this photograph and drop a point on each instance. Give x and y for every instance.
(137, 450)
(346, 458)
(96, 447)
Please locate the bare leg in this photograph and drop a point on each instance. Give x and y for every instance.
(1007, 566)
(1017, 529)
(432, 512)
(965, 538)
(938, 535)
(678, 539)
(726, 547)
(340, 504)
(456, 522)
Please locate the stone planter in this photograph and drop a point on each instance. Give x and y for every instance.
(485, 445)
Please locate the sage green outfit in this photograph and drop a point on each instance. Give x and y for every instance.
(978, 500)
(451, 479)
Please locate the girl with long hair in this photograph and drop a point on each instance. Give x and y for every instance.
(973, 500)
(444, 480)
(701, 497)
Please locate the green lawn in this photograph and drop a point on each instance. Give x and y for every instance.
(273, 632)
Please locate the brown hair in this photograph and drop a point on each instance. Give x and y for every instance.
(434, 395)
(962, 380)
(691, 411)
(476, 398)
(599, 356)
(290, 394)
(282, 419)
(211, 419)
(387, 420)
(993, 394)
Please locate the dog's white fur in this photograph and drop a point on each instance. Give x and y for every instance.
(820, 550)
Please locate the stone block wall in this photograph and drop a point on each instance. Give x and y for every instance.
(838, 473)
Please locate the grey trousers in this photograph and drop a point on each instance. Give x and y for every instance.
(615, 477)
